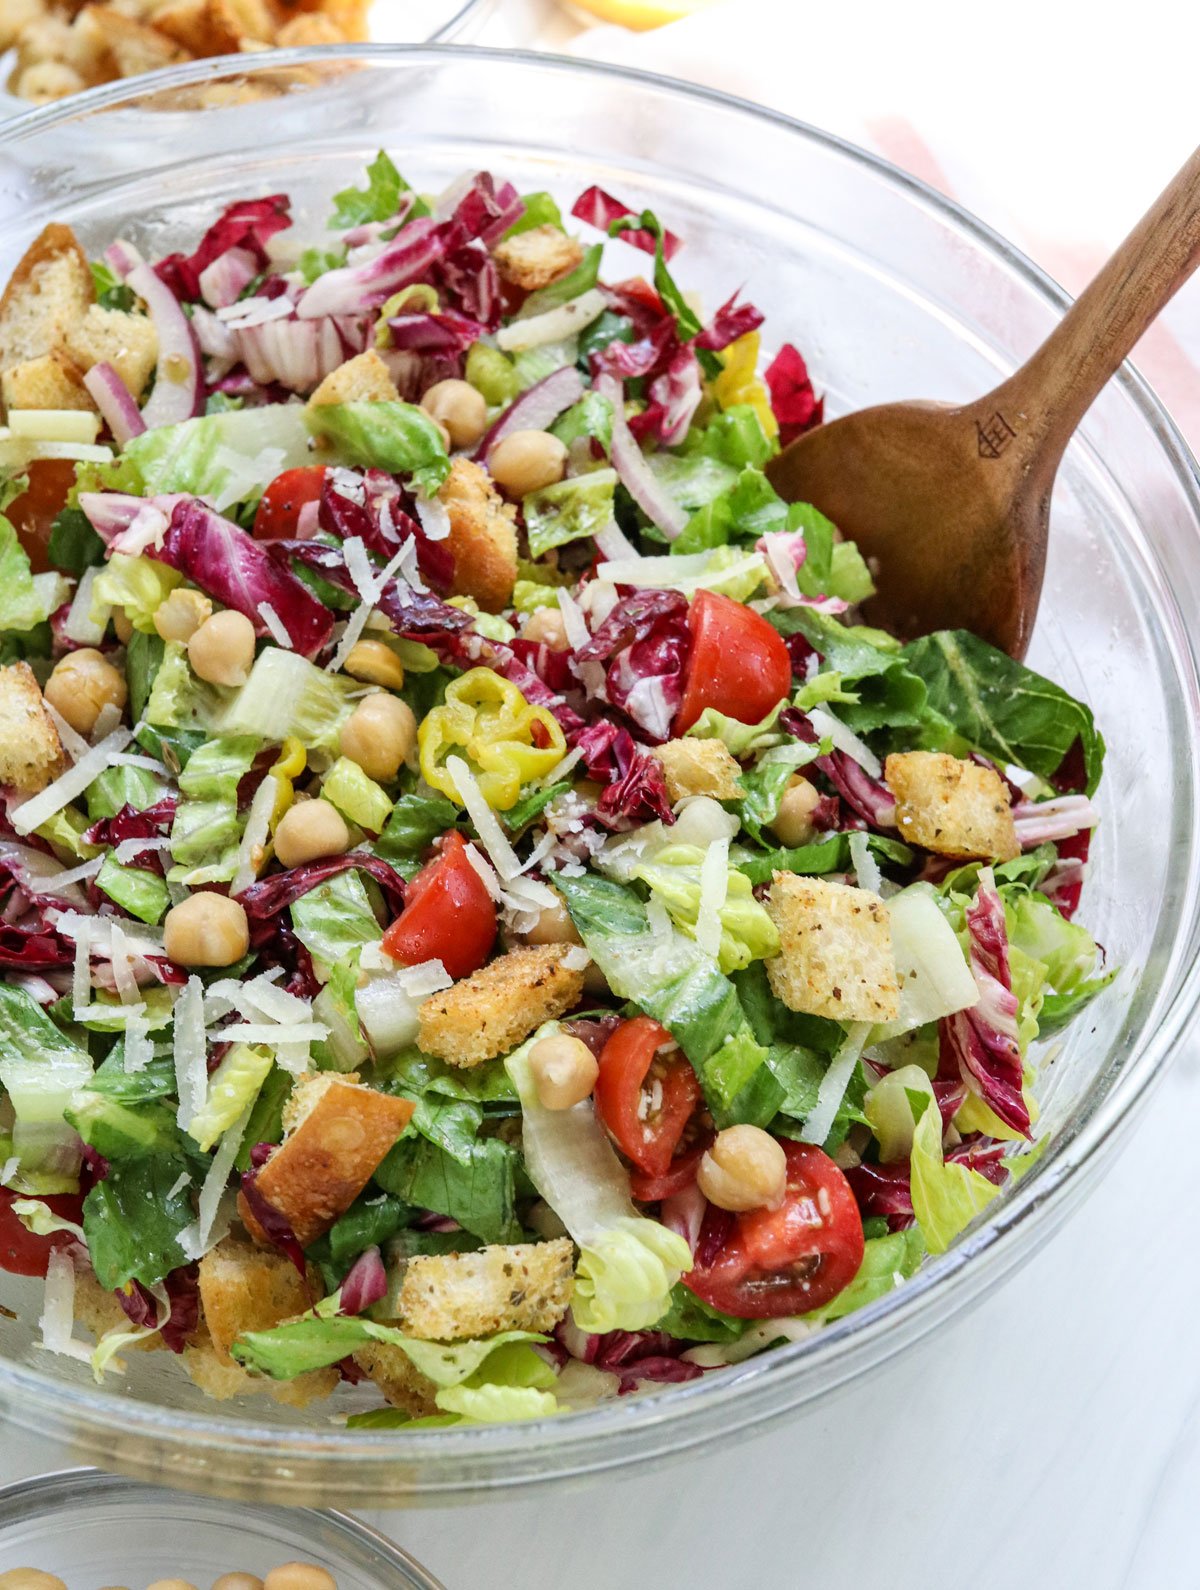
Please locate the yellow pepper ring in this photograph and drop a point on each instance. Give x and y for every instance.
(293, 759)
(505, 741)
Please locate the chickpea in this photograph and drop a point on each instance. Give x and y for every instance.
(527, 461)
(171, 1584)
(375, 664)
(744, 1169)
(238, 1581)
(309, 831)
(30, 1579)
(122, 626)
(380, 734)
(206, 930)
(299, 1576)
(564, 1071)
(82, 685)
(554, 925)
(793, 823)
(222, 649)
(545, 627)
(181, 615)
(460, 408)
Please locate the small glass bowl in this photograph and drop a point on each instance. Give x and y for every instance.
(94, 1529)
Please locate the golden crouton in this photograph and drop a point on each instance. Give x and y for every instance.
(50, 291)
(303, 31)
(538, 257)
(454, 1296)
(222, 1381)
(15, 17)
(31, 754)
(338, 1131)
(363, 379)
(111, 336)
(47, 81)
(205, 27)
(950, 806)
(483, 537)
(51, 381)
(699, 767)
(489, 1013)
(348, 16)
(835, 954)
(134, 47)
(401, 1382)
(99, 1311)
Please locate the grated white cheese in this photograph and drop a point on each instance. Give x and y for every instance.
(107, 719)
(348, 483)
(834, 1083)
(428, 977)
(190, 1050)
(73, 743)
(40, 808)
(866, 869)
(576, 959)
(58, 1310)
(196, 1240)
(831, 728)
(434, 517)
(255, 311)
(714, 889)
(81, 976)
(256, 835)
(491, 836)
(150, 764)
(183, 1180)
(139, 1048)
(275, 624)
(574, 622)
(130, 849)
(270, 1032)
(57, 882)
(122, 965)
(358, 566)
(560, 769)
(79, 624)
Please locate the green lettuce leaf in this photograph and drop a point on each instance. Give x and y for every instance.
(478, 1191)
(1003, 708)
(491, 373)
(591, 417)
(207, 828)
(227, 458)
(398, 437)
(359, 799)
(334, 920)
(123, 786)
(539, 209)
(138, 586)
(133, 1219)
(378, 201)
(946, 1197)
(284, 695)
(232, 1087)
(581, 280)
(747, 932)
(890, 692)
(886, 1262)
(74, 545)
(416, 821)
(137, 890)
(570, 510)
(26, 599)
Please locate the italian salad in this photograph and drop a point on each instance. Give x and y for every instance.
(483, 920)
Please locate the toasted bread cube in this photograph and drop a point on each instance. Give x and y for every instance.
(134, 47)
(338, 1131)
(363, 379)
(401, 1382)
(51, 381)
(524, 1286)
(306, 30)
(223, 1381)
(203, 27)
(45, 38)
(483, 536)
(699, 767)
(99, 1311)
(111, 336)
(31, 753)
(47, 81)
(835, 954)
(538, 257)
(952, 807)
(49, 292)
(16, 17)
(490, 1012)
(252, 19)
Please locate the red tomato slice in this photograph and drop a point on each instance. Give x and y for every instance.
(677, 1178)
(739, 663)
(33, 513)
(448, 914)
(23, 1253)
(646, 1120)
(774, 1262)
(283, 499)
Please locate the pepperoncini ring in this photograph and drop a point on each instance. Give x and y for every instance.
(292, 760)
(505, 741)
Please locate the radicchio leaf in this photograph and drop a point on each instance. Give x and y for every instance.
(600, 209)
(269, 896)
(248, 224)
(365, 1284)
(276, 1227)
(795, 405)
(731, 321)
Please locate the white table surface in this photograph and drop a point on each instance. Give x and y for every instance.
(1049, 1439)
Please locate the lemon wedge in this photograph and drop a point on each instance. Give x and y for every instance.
(638, 14)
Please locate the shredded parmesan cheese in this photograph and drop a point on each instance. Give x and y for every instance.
(191, 1067)
(72, 743)
(58, 1310)
(491, 836)
(714, 888)
(122, 967)
(831, 728)
(40, 808)
(835, 1082)
(275, 624)
(197, 1239)
(255, 836)
(57, 882)
(866, 869)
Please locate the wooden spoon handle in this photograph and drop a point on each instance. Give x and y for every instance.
(1046, 399)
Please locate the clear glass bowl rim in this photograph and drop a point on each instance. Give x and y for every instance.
(634, 1430)
(59, 1493)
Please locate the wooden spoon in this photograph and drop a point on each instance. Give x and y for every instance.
(951, 503)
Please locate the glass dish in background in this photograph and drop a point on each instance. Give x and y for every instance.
(94, 1529)
(891, 292)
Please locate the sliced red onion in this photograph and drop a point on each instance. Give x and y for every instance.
(223, 282)
(356, 289)
(371, 231)
(117, 408)
(636, 475)
(1038, 822)
(298, 354)
(121, 258)
(214, 336)
(110, 512)
(537, 408)
(179, 383)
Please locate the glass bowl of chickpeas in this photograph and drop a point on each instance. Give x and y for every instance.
(84, 1530)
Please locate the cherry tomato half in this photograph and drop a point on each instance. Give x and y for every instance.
(283, 499)
(23, 1253)
(775, 1262)
(739, 663)
(33, 513)
(678, 1176)
(646, 1118)
(448, 914)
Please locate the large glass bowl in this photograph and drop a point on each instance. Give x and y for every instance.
(891, 292)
